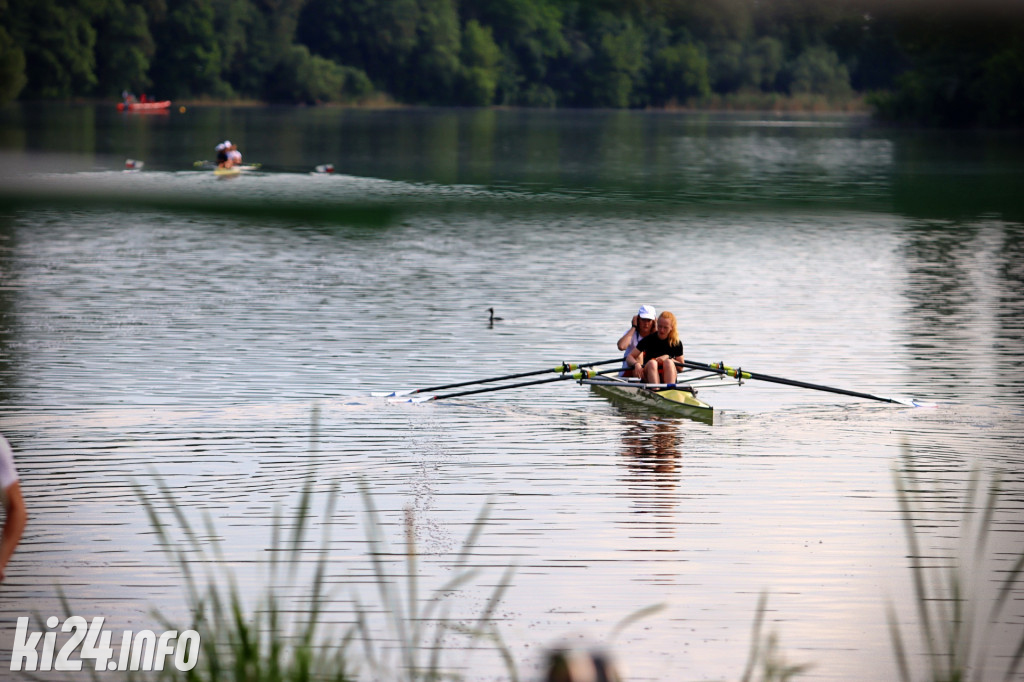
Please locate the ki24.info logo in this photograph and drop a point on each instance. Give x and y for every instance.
(143, 650)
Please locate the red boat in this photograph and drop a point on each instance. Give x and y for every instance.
(144, 106)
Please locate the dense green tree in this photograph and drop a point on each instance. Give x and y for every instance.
(270, 27)
(12, 68)
(58, 41)
(434, 67)
(233, 23)
(480, 58)
(763, 61)
(377, 36)
(964, 66)
(310, 79)
(726, 66)
(868, 44)
(942, 62)
(124, 48)
(532, 38)
(710, 21)
(1000, 89)
(799, 24)
(679, 73)
(188, 61)
(618, 62)
(818, 71)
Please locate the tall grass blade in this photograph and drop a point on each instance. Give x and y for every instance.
(958, 626)
(637, 615)
(897, 645)
(755, 638)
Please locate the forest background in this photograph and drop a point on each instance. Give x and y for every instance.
(933, 62)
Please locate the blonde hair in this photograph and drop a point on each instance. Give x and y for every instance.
(673, 334)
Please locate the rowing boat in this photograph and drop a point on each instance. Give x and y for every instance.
(678, 401)
(678, 398)
(210, 165)
(142, 107)
(227, 172)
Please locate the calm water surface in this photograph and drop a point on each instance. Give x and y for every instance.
(229, 354)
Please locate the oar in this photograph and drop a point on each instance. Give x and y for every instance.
(579, 374)
(739, 373)
(563, 368)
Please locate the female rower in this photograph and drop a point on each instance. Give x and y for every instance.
(643, 325)
(657, 356)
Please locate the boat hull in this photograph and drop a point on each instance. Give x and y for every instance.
(140, 107)
(666, 401)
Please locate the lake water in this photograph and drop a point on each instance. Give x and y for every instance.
(224, 335)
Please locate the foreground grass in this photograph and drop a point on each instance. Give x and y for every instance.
(281, 637)
(957, 612)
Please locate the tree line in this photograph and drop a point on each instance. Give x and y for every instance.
(943, 62)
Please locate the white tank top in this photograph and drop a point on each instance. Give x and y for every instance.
(8, 474)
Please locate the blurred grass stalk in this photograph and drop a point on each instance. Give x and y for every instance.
(424, 629)
(282, 637)
(766, 656)
(266, 642)
(950, 598)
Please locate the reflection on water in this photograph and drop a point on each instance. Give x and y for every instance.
(652, 458)
(136, 342)
(964, 304)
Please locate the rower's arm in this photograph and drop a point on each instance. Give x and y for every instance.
(15, 520)
(626, 339)
(635, 356)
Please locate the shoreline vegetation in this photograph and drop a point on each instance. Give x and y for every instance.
(735, 102)
(941, 63)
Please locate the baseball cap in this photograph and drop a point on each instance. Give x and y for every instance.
(647, 312)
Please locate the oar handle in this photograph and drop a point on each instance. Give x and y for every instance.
(738, 373)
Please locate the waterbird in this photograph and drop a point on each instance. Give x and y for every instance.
(493, 318)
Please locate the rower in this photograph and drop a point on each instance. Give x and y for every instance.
(657, 357)
(234, 156)
(643, 325)
(222, 154)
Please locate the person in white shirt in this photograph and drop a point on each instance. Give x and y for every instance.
(15, 516)
(643, 325)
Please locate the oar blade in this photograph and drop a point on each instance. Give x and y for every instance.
(390, 394)
(562, 368)
(414, 399)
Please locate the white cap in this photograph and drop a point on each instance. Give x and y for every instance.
(647, 312)
(219, 147)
